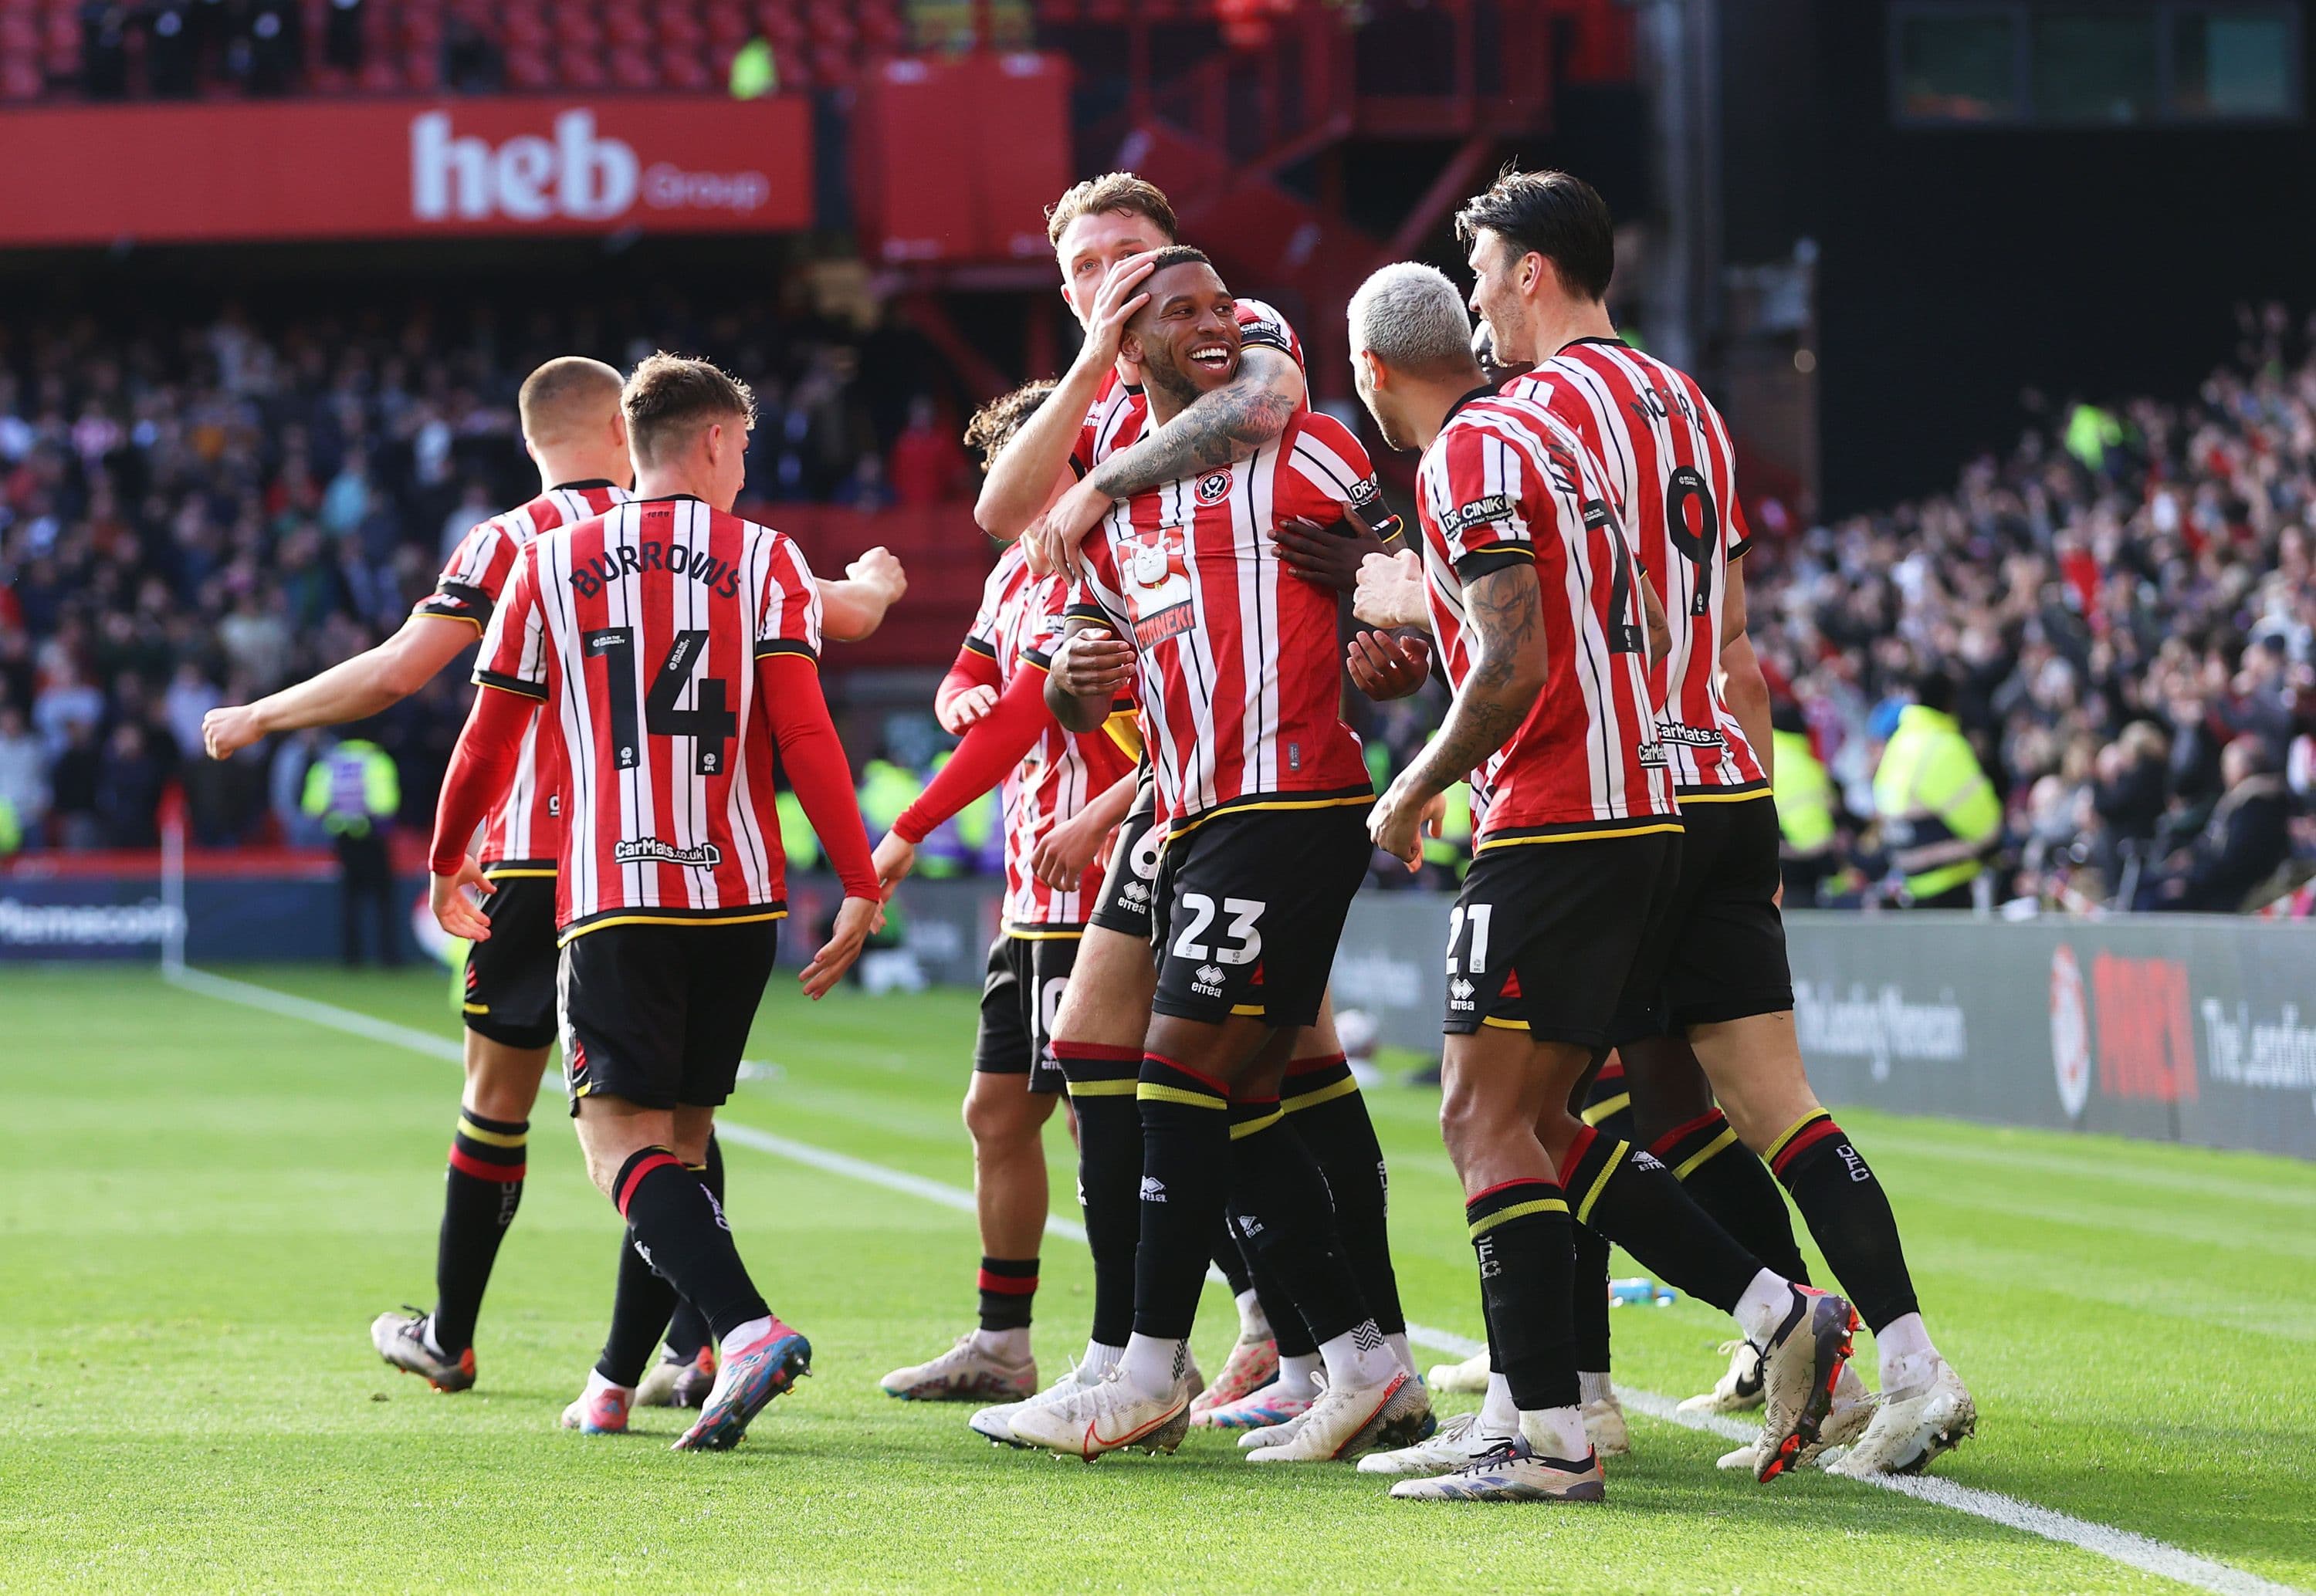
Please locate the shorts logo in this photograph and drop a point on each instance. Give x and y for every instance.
(1153, 1190)
(1213, 487)
(1207, 980)
(1644, 1159)
(1135, 893)
(1248, 1225)
(651, 850)
(1459, 994)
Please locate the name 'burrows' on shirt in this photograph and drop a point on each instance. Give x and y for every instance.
(589, 575)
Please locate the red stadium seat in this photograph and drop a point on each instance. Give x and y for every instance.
(380, 75)
(579, 66)
(685, 68)
(634, 69)
(728, 24)
(19, 35)
(577, 30)
(625, 29)
(530, 68)
(21, 79)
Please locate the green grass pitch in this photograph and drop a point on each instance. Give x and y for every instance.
(202, 1208)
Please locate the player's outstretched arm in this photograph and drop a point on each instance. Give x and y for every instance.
(997, 742)
(854, 608)
(373, 680)
(1504, 611)
(822, 778)
(489, 747)
(1090, 668)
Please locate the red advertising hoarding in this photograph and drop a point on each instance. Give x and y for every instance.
(956, 160)
(380, 169)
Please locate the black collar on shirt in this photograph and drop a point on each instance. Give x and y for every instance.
(593, 481)
(1482, 391)
(1596, 338)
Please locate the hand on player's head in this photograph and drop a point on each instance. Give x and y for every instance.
(1121, 295)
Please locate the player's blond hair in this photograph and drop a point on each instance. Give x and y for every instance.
(1111, 191)
(1411, 317)
(564, 397)
(993, 426)
(671, 396)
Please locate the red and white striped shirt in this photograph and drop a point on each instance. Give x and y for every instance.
(638, 633)
(1239, 674)
(1668, 462)
(1020, 625)
(1505, 482)
(1120, 411)
(525, 827)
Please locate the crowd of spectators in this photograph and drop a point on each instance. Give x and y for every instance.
(197, 511)
(2125, 604)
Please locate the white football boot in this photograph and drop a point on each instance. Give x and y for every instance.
(1470, 1375)
(1738, 1389)
(967, 1372)
(1910, 1428)
(1105, 1417)
(1457, 1443)
(1349, 1420)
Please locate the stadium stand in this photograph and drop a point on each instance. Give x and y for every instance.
(2126, 606)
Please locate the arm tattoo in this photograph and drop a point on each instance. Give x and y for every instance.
(1505, 612)
(1216, 429)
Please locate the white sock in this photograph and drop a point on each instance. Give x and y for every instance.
(1098, 1360)
(1499, 1416)
(1253, 1325)
(1593, 1388)
(1298, 1377)
(1007, 1346)
(433, 1346)
(1556, 1432)
(1397, 1342)
(1148, 1363)
(1764, 1307)
(1908, 1359)
(1358, 1358)
(596, 1382)
(740, 1339)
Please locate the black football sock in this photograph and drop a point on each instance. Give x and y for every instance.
(1283, 1211)
(1287, 1330)
(1633, 1201)
(1103, 1081)
(1008, 1286)
(1591, 1303)
(1734, 1187)
(681, 1226)
(1608, 1101)
(640, 1306)
(687, 1331)
(481, 1192)
(1325, 1107)
(1528, 1265)
(1848, 1214)
(1231, 1259)
(1185, 1165)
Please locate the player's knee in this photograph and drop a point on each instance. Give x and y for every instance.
(502, 1081)
(1002, 1115)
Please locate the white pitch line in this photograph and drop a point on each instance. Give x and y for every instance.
(2117, 1546)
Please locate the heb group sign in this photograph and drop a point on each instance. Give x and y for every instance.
(379, 169)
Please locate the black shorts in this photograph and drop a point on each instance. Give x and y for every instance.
(1546, 937)
(1725, 939)
(1249, 907)
(1126, 888)
(659, 1015)
(511, 977)
(1019, 1000)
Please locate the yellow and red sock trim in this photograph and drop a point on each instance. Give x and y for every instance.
(1685, 1148)
(1805, 1133)
(486, 1150)
(640, 1168)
